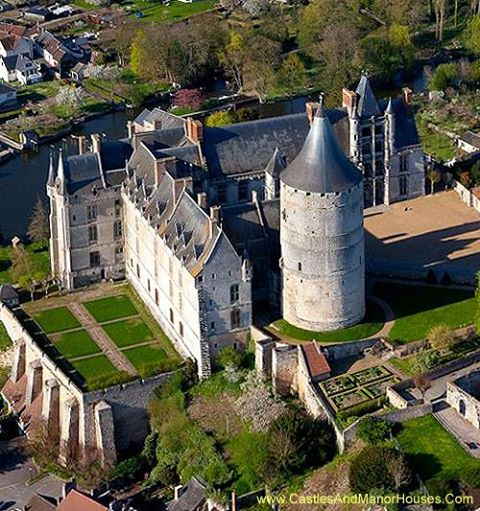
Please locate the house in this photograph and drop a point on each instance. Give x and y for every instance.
(19, 68)
(8, 95)
(9, 295)
(190, 497)
(77, 501)
(11, 44)
(37, 14)
(40, 503)
(79, 71)
(469, 142)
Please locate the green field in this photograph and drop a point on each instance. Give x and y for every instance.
(372, 323)
(76, 344)
(128, 332)
(110, 308)
(40, 257)
(99, 372)
(158, 12)
(419, 308)
(434, 454)
(147, 360)
(5, 341)
(56, 320)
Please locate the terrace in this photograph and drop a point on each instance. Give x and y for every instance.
(102, 336)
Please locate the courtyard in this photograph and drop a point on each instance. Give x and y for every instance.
(104, 335)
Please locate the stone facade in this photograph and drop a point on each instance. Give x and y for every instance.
(463, 395)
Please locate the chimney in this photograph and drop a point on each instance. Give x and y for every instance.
(214, 218)
(177, 491)
(349, 100)
(179, 185)
(96, 141)
(130, 129)
(202, 200)
(82, 144)
(255, 197)
(194, 130)
(310, 109)
(407, 96)
(160, 169)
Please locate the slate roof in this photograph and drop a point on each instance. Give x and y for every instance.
(406, 133)
(193, 496)
(7, 292)
(166, 119)
(321, 166)
(471, 138)
(276, 164)
(249, 146)
(5, 88)
(17, 62)
(367, 103)
(39, 503)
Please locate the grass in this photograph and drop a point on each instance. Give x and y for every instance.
(56, 320)
(158, 12)
(40, 257)
(148, 360)
(372, 323)
(433, 452)
(99, 372)
(128, 332)
(110, 308)
(435, 143)
(431, 306)
(5, 341)
(76, 344)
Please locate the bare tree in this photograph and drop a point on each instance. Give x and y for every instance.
(440, 8)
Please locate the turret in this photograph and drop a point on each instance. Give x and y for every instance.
(51, 171)
(272, 175)
(321, 234)
(61, 178)
(247, 270)
(389, 130)
(355, 141)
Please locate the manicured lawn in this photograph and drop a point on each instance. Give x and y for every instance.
(435, 454)
(372, 323)
(128, 332)
(56, 320)
(5, 341)
(112, 307)
(419, 308)
(99, 372)
(76, 344)
(158, 12)
(147, 359)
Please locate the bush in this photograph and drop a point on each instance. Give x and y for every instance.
(379, 468)
(131, 468)
(374, 431)
(230, 357)
(446, 75)
(362, 408)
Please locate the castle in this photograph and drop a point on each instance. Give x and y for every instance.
(207, 222)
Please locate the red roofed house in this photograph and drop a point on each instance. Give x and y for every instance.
(76, 501)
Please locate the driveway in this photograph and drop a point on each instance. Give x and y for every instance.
(438, 389)
(16, 469)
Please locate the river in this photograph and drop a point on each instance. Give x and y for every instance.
(22, 179)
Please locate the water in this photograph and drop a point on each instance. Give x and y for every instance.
(23, 178)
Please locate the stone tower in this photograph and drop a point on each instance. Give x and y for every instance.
(321, 234)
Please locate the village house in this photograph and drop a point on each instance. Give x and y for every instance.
(18, 68)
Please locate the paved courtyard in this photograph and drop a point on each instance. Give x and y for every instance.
(437, 231)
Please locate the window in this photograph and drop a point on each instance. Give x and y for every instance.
(200, 278)
(148, 285)
(156, 297)
(118, 254)
(234, 293)
(118, 207)
(212, 325)
(235, 318)
(91, 213)
(138, 271)
(92, 233)
(243, 190)
(299, 266)
(366, 132)
(180, 302)
(403, 163)
(172, 317)
(213, 276)
(403, 185)
(117, 229)
(94, 259)
(180, 328)
(170, 288)
(222, 194)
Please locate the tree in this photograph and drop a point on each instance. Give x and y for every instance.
(374, 431)
(25, 271)
(440, 338)
(440, 9)
(230, 357)
(434, 176)
(39, 228)
(188, 98)
(445, 75)
(220, 118)
(379, 468)
(423, 383)
(293, 74)
(70, 98)
(473, 35)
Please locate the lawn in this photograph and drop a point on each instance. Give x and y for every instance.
(158, 12)
(40, 257)
(110, 308)
(148, 360)
(5, 341)
(419, 308)
(76, 344)
(99, 372)
(372, 323)
(434, 454)
(128, 332)
(56, 320)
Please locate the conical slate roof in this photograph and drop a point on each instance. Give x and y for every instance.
(276, 163)
(321, 166)
(367, 104)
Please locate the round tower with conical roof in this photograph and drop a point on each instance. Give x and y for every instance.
(321, 234)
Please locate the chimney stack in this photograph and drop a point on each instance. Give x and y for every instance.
(194, 130)
(214, 218)
(96, 141)
(310, 109)
(202, 200)
(407, 96)
(349, 100)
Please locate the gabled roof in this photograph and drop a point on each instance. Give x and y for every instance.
(166, 119)
(321, 166)
(76, 501)
(39, 503)
(7, 292)
(367, 103)
(276, 164)
(193, 496)
(317, 363)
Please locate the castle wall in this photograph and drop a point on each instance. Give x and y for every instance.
(323, 263)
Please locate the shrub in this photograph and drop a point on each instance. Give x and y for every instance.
(131, 468)
(374, 431)
(446, 75)
(379, 468)
(220, 118)
(230, 357)
(362, 408)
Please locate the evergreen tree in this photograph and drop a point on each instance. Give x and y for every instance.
(38, 229)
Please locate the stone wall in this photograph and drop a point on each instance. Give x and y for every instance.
(462, 396)
(284, 368)
(347, 349)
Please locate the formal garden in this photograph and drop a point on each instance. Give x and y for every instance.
(74, 333)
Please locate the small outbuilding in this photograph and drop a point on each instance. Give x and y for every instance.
(9, 295)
